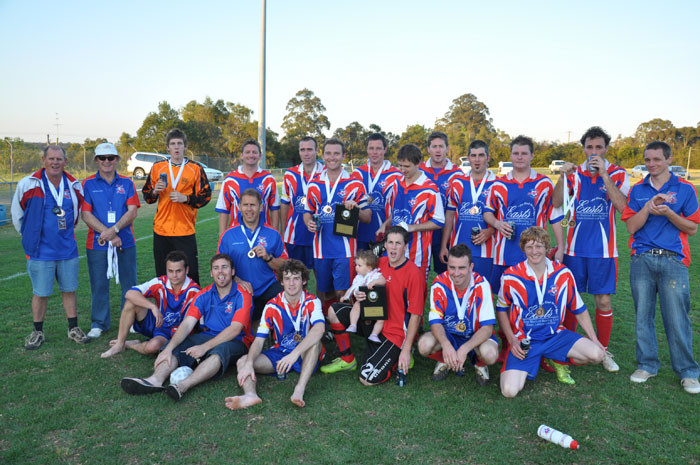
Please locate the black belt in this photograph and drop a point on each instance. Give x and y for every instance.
(661, 252)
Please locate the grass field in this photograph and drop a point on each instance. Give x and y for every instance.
(63, 404)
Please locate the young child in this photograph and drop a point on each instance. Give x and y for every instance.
(367, 275)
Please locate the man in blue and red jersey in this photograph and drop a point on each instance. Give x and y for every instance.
(461, 319)
(441, 171)
(109, 210)
(414, 203)
(662, 211)
(466, 200)
(295, 320)
(534, 298)
(159, 318)
(332, 253)
(223, 310)
(595, 190)
(45, 210)
(298, 240)
(249, 175)
(405, 301)
(376, 175)
(257, 252)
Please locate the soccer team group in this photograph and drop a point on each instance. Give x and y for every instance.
(484, 236)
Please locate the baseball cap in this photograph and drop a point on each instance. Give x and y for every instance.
(106, 148)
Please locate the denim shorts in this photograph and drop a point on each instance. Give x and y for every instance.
(44, 272)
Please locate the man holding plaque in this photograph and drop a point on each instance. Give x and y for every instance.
(257, 251)
(461, 319)
(45, 210)
(376, 175)
(590, 194)
(297, 239)
(333, 191)
(405, 300)
(295, 320)
(180, 186)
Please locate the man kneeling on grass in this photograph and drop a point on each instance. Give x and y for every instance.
(223, 309)
(295, 319)
(157, 319)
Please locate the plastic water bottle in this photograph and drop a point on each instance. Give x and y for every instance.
(557, 437)
(401, 378)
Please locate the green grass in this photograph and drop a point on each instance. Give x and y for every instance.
(63, 404)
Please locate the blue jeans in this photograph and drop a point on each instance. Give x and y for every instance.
(668, 277)
(99, 284)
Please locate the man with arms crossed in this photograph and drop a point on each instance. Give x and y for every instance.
(595, 190)
(661, 213)
(295, 319)
(159, 318)
(223, 310)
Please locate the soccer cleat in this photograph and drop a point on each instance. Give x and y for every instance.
(339, 365)
(691, 385)
(609, 364)
(440, 372)
(641, 376)
(563, 372)
(482, 375)
(76, 334)
(34, 340)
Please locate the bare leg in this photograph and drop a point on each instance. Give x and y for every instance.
(250, 396)
(151, 346)
(39, 307)
(162, 372)
(428, 345)
(130, 313)
(204, 371)
(488, 351)
(355, 313)
(309, 361)
(512, 382)
(70, 304)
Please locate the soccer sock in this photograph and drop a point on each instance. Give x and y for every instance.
(343, 340)
(72, 322)
(437, 356)
(604, 322)
(38, 326)
(570, 321)
(479, 362)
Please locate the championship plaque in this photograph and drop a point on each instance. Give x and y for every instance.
(346, 221)
(374, 306)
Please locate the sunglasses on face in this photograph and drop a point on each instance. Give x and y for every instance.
(106, 157)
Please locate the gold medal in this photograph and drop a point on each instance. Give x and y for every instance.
(298, 338)
(251, 254)
(303, 200)
(564, 223)
(461, 327)
(327, 209)
(540, 312)
(474, 210)
(572, 223)
(370, 199)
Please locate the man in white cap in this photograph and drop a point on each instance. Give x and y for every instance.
(110, 207)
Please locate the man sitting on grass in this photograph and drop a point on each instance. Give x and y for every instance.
(224, 310)
(159, 318)
(296, 321)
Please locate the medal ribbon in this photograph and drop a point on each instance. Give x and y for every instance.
(477, 192)
(173, 179)
(296, 322)
(464, 303)
(373, 182)
(331, 193)
(255, 236)
(112, 262)
(304, 184)
(540, 290)
(54, 193)
(568, 204)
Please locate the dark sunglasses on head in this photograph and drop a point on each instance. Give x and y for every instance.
(106, 157)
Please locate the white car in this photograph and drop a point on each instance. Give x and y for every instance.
(465, 167)
(639, 171)
(504, 167)
(140, 164)
(555, 166)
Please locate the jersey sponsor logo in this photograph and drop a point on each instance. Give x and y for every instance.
(671, 197)
(412, 202)
(262, 241)
(120, 190)
(593, 209)
(522, 213)
(66, 194)
(553, 290)
(401, 215)
(541, 316)
(171, 318)
(287, 342)
(464, 212)
(229, 307)
(532, 194)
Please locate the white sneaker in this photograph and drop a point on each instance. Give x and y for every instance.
(609, 364)
(691, 385)
(482, 375)
(641, 376)
(94, 333)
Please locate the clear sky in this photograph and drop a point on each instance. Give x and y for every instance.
(542, 68)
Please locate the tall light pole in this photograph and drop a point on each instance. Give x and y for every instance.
(12, 172)
(261, 103)
(84, 159)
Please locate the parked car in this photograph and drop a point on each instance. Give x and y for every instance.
(504, 167)
(140, 164)
(639, 171)
(678, 171)
(555, 166)
(465, 167)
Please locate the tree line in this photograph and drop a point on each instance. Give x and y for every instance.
(216, 130)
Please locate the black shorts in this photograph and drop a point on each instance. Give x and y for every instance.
(342, 312)
(162, 245)
(380, 361)
(260, 301)
(228, 352)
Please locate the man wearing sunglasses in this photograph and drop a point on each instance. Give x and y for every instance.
(110, 207)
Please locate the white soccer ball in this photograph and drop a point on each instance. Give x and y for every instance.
(180, 374)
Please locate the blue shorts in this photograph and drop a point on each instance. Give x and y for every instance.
(495, 279)
(228, 352)
(593, 275)
(44, 272)
(333, 274)
(276, 354)
(483, 266)
(147, 327)
(458, 341)
(303, 253)
(556, 348)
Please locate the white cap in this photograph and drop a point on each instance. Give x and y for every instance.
(106, 148)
